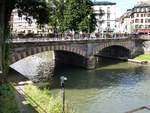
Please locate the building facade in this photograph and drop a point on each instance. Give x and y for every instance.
(105, 13)
(135, 20)
(19, 25)
(140, 18)
(123, 24)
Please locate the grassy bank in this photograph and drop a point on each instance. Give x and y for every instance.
(7, 99)
(143, 57)
(43, 101)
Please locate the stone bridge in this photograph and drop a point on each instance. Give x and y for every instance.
(80, 52)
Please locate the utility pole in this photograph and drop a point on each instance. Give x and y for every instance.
(2, 16)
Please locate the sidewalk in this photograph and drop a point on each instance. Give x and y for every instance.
(18, 82)
(23, 105)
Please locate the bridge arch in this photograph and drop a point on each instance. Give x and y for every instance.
(18, 55)
(122, 46)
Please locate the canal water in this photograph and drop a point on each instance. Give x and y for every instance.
(113, 87)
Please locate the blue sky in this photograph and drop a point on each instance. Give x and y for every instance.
(123, 5)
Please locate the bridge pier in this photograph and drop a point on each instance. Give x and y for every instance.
(62, 57)
(90, 62)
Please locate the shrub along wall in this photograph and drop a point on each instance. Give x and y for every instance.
(7, 99)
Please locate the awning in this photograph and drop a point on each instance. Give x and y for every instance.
(143, 30)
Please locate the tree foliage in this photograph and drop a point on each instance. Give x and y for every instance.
(62, 14)
(38, 9)
(73, 15)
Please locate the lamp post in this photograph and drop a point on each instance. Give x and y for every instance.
(88, 24)
(62, 78)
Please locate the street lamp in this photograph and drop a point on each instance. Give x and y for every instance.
(62, 78)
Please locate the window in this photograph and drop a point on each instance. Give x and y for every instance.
(132, 16)
(146, 26)
(29, 31)
(108, 9)
(142, 9)
(101, 11)
(108, 16)
(141, 26)
(137, 15)
(141, 20)
(147, 20)
(108, 24)
(138, 10)
(141, 15)
(136, 20)
(132, 21)
(108, 13)
(136, 26)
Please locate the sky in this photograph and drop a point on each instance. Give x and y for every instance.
(122, 5)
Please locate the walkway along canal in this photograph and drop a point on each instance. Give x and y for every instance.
(114, 87)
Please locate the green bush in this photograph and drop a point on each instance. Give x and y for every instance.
(7, 99)
(143, 57)
(43, 101)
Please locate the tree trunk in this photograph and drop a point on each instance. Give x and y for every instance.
(2, 21)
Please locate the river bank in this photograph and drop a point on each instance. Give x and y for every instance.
(145, 57)
(142, 59)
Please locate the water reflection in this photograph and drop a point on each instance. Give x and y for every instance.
(111, 89)
(113, 75)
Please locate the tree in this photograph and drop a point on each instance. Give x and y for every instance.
(39, 9)
(73, 15)
(57, 14)
(80, 16)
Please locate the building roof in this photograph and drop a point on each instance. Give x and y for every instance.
(141, 5)
(140, 8)
(103, 3)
